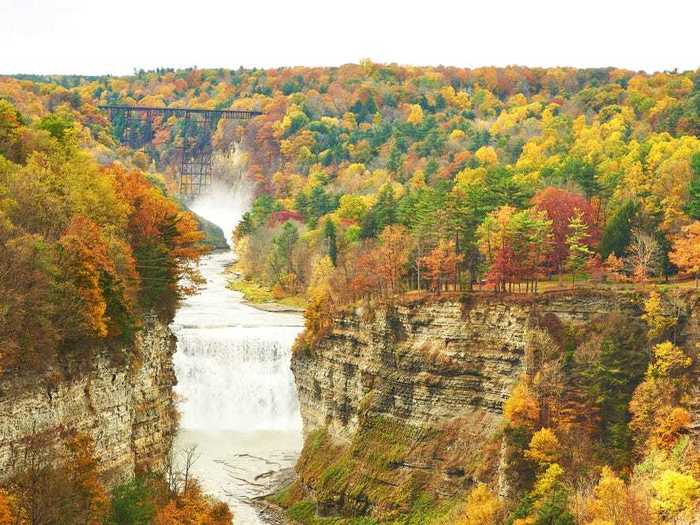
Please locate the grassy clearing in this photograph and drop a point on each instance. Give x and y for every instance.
(256, 293)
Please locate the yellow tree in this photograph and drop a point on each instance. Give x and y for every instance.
(415, 114)
(614, 502)
(544, 447)
(686, 251)
(521, 409)
(319, 312)
(655, 317)
(579, 252)
(676, 494)
(486, 156)
(483, 507)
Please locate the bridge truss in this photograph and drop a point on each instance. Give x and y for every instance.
(133, 126)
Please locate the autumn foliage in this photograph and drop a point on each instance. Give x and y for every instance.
(372, 180)
(41, 490)
(85, 250)
(561, 207)
(686, 251)
(597, 429)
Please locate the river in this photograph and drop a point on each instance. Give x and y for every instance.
(236, 392)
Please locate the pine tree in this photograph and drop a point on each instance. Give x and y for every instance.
(579, 252)
(329, 232)
(381, 215)
(617, 234)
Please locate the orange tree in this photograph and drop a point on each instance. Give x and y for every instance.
(165, 240)
(686, 251)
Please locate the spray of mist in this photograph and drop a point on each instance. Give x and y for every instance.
(230, 195)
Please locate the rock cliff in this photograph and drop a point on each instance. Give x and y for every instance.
(426, 363)
(126, 407)
(408, 400)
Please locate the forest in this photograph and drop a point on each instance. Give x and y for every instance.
(496, 177)
(375, 183)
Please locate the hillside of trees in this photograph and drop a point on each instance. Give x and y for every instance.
(87, 247)
(502, 176)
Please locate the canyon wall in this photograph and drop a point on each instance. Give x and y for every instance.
(126, 407)
(425, 363)
(408, 400)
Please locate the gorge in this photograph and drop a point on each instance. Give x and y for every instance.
(238, 402)
(498, 270)
(218, 379)
(395, 400)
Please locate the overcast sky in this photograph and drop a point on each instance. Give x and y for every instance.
(117, 36)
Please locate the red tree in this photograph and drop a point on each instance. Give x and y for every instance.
(560, 207)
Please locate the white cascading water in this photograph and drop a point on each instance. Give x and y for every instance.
(238, 401)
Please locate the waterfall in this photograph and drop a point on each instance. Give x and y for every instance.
(236, 378)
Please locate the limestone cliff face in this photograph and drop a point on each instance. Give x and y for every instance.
(426, 363)
(126, 408)
(408, 399)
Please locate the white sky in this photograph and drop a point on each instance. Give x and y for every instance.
(116, 36)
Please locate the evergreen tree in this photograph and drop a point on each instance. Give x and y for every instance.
(381, 215)
(576, 241)
(617, 234)
(263, 208)
(132, 504)
(609, 381)
(283, 246)
(315, 205)
(395, 160)
(245, 226)
(329, 232)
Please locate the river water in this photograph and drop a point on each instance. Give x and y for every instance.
(236, 392)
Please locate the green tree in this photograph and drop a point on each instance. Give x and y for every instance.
(280, 260)
(554, 510)
(381, 215)
(609, 379)
(56, 125)
(692, 208)
(316, 204)
(395, 160)
(329, 232)
(132, 504)
(576, 241)
(262, 209)
(618, 232)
